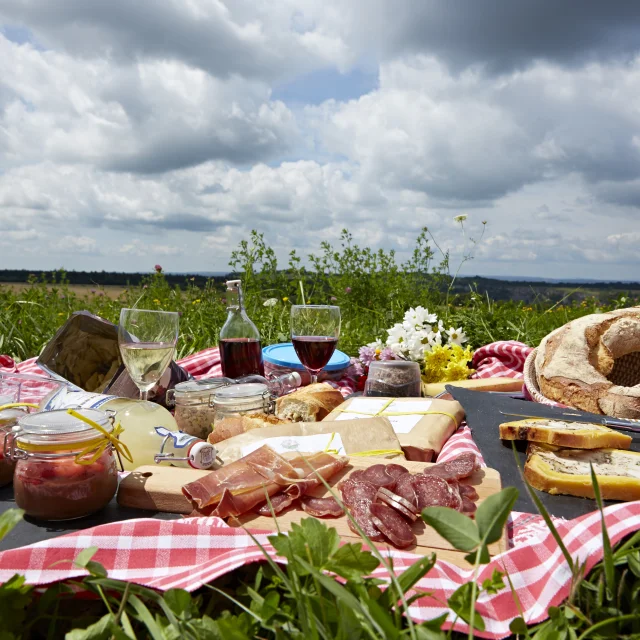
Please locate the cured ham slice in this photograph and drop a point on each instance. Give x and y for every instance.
(321, 507)
(279, 502)
(243, 484)
(310, 467)
(319, 464)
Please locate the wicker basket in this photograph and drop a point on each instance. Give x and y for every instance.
(531, 381)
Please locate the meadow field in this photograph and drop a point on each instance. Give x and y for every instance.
(372, 288)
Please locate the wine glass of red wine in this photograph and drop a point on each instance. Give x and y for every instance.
(315, 330)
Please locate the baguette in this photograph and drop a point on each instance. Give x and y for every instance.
(567, 471)
(433, 389)
(309, 404)
(576, 435)
(235, 425)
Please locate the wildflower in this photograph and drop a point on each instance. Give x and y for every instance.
(144, 286)
(367, 355)
(456, 336)
(61, 314)
(156, 300)
(271, 302)
(62, 297)
(387, 354)
(93, 290)
(285, 299)
(333, 299)
(158, 268)
(196, 301)
(347, 290)
(460, 218)
(192, 279)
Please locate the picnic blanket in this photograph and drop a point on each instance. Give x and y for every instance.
(188, 553)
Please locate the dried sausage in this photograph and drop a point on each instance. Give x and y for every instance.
(394, 527)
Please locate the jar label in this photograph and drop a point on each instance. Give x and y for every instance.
(68, 399)
(329, 442)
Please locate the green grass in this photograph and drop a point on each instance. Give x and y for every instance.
(371, 287)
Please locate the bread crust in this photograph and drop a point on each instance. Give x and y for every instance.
(541, 476)
(309, 404)
(541, 430)
(235, 425)
(573, 362)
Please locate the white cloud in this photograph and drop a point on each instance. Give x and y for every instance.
(150, 129)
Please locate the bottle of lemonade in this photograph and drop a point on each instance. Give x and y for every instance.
(139, 419)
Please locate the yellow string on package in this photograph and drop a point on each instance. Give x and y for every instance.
(376, 452)
(327, 450)
(382, 413)
(97, 447)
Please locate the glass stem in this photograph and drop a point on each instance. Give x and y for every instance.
(314, 377)
(144, 394)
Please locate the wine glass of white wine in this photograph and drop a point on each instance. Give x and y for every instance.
(147, 342)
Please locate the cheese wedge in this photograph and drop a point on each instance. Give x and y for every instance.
(577, 435)
(567, 471)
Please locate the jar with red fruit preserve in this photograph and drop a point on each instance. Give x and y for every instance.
(65, 463)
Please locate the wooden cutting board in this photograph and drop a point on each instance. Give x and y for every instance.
(158, 488)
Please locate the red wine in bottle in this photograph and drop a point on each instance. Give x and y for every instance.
(314, 351)
(241, 357)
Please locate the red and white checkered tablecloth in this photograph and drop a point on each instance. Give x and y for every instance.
(191, 552)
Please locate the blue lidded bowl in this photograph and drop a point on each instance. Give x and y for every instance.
(280, 359)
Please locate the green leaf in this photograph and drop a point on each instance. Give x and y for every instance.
(350, 562)
(453, 526)
(633, 560)
(8, 520)
(480, 555)
(408, 578)
(460, 602)
(96, 569)
(100, 630)
(144, 615)
(519, 627)
(83, 558)
(493, 513)
(495, 583)
(179, 601)
(607, 559)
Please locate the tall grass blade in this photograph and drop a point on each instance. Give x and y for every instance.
(609, 572)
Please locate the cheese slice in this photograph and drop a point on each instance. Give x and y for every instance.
(433, 389)
(556, 470)
(577, 435)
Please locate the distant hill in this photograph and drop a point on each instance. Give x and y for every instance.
(525, 289)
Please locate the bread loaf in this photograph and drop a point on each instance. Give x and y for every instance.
(577, 435)
(235, 425)
(567, 471)
(309, 404)
(593, 363)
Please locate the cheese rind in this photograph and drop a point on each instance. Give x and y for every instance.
(567, 471)
(576, 435)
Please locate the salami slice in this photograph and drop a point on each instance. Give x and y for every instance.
(456, 498)
(431, 491)
(395, 470)
(378, 476)
(388, 521)
(357, 475)
(404, 488)
(468, 506)
(392, 500)
(359, 496)
(394, 496)
(466, 490)
(461, 466)
(321, 507)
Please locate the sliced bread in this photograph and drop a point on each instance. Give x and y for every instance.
(577, 435)
(557, 470)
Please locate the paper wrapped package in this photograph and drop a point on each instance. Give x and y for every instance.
(421, 425)
(371, 438)
(85, 353)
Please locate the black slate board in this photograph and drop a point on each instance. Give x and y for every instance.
(484, 417)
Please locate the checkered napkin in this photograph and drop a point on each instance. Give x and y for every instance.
(191, 552)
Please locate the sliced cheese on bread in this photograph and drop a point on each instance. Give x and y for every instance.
(576, 435)
(556, 470)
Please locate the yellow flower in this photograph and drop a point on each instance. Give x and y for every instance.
(285, 299)
(196, 301)
(61, 314)
(156, 300)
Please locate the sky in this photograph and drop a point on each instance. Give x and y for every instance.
(164, 131)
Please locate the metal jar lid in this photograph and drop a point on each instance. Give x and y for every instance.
(198, 389)
(60, 427)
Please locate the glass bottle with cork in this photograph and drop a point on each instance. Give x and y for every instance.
(240, 347)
